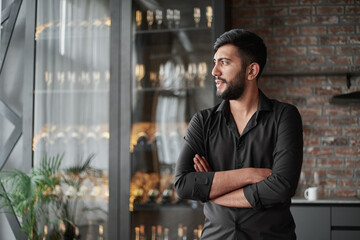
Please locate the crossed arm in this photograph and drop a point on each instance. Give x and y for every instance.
(227, 186)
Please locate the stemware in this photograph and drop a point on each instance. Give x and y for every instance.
(158, 17)
(209, 15)
(197, 16)
(150, 18)
(177, 17)
(169, 17)
(138, 18)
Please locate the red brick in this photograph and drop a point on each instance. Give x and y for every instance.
(355, 142)
(257, 3)
(307, 131)
(293, 51)
(297, 20)
(310, 111)
(352, 9)
(246, 12)
(262, 31)
(299, 91)
(312, 2)
(348, 183)
(352, 131)
(293, 100)
(341, 29)
(350, 19)
(317, 121)
(340, 60)
(326, 162)
(311, 141)
(275, 11)
(344, 121)
(301, 10)
(327, 40)
(304, 40)
(337, 111)
(272, 51)
(353, 163)
(309, 173)
(355, 111)
(235, 3)
(327, 131)
(322, 50)
(357, 60)
(311, 60)
(243, 22)
(330, 183)
(286, 31)
(342, 193)
(326, 20)
(335, 68)
(285, 2)
(320, 151)
(340, 173)
(348, 50)
(271, 22)
(326, 10)
(327, 90)
(337, 80)
(282, 61)
(350, 152)
(313, 30)
(354, 39)
(273, 91)
(277, 41)
(334, 141)
(341, 1)
(308, 162)
(313, 80)
(318, 100)
(287, 81)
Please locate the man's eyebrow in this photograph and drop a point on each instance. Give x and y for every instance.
(222, 58)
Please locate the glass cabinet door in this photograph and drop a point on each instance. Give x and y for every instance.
(71, 111)
(171, 80)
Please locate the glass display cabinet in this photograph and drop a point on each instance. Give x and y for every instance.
(71, 110)
(171, 79)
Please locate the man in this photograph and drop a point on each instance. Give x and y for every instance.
(242, 157)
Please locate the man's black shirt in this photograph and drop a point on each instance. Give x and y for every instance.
(271, 139)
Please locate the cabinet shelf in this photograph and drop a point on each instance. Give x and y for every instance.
(172, 30)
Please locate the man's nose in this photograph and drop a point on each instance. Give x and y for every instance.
(215, 71)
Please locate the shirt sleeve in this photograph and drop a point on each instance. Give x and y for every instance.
(278, 188)
(190, 184)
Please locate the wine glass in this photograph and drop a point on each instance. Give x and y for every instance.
(197, 15)
(169, 17)
(177, 17)
(209, 15)
(202, 72)
(158, 17)
(139, 73)
(150, 18)
(138, 18)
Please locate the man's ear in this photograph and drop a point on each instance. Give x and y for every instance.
(253, 71)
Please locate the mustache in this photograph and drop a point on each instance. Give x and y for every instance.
(222, 79)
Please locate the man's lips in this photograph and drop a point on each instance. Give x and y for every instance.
(219, 82)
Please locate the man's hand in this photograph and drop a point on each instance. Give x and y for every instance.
(200, 164)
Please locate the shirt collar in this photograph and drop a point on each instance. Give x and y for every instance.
(264, 104)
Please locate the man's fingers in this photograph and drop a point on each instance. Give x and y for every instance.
(201, 163)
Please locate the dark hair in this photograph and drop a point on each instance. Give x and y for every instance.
(251, 47)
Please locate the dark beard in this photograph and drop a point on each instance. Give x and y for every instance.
(235, 87)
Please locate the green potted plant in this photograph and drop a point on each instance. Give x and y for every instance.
(46, 199)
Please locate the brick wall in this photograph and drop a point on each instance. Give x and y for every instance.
(315, 38)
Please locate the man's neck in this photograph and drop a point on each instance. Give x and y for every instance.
(246, 104)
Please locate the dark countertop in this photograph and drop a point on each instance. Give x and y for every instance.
(325, 201)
